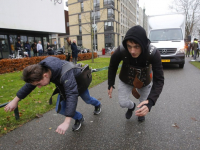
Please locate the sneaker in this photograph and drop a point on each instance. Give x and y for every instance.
(97, 110)
(141, 119)
(130, 112)
(77, 124)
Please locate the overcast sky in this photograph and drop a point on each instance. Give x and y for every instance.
(153, 7)
(156, 7)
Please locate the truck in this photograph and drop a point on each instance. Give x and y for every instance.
(167, 33)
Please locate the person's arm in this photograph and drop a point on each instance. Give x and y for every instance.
(112, 70)
(12, 105)
(158, 82)
(21, 94)
(71, 92)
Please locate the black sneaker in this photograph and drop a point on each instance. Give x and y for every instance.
(77, 124)
(97, 110)
(141, 119)
(130, 112)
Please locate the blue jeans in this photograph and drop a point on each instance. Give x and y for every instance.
(86, 98)
(40, 52)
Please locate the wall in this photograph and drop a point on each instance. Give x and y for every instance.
(34, 15)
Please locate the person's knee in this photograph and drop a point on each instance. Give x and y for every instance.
(124, 104)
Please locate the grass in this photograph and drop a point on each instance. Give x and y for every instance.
(37, 102)
(196, 64)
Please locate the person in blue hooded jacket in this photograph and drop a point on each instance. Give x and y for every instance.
(49, 70)
(139, 58)
(74, 51)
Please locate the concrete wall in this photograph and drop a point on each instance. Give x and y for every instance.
(34, 15)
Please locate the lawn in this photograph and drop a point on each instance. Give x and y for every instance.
(37, 102)
(196, 64)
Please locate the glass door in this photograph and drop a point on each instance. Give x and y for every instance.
(4, 48)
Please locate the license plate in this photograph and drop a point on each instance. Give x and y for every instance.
(165, 60)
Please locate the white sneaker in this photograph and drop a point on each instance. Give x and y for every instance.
(193, 60)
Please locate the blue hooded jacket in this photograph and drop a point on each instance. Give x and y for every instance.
(68, 82)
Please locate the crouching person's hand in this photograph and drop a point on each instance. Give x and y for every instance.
(12, 105)
(64, 126)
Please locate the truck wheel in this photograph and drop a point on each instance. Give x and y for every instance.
(181, 65)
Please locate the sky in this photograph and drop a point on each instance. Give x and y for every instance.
(153, 7)
(156, 7)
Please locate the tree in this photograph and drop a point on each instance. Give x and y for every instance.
(91, 22)
(191, 9)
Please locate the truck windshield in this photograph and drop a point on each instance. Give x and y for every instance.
(166, 35)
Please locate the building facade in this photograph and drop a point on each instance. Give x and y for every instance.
(128, 16)
(95, 20)
(33, 20)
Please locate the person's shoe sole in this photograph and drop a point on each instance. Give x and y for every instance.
(79, 125)
(98, 112)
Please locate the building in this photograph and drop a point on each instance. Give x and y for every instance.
(33, 20)
(95, 20)
(128, 16)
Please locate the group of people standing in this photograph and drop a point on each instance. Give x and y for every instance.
(193, 48)
(71, 50)
(37, 48)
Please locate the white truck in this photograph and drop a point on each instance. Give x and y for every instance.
(167, 33)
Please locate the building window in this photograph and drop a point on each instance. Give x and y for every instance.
(109, 40)
(96, 3)
(97, 15)
(108, 26)
(79, 40)
(80, 30)
(79, 18)
(109, 2)
(82, 7)
(111, 13)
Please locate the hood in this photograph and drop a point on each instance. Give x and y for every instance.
(54, 64)
(138, 34)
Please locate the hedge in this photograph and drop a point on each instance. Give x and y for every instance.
(12, 65)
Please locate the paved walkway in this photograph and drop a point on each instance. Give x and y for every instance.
(174, 123)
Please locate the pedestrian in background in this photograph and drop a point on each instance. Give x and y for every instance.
(139, 58)
(27, 48)
(39, 48)
(34, 48)
(198, 49)
(194, 47)
(49, 49)
(67, 47)
(74, 51)
(189, 47)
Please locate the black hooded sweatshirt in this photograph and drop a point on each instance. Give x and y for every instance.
(138, 34)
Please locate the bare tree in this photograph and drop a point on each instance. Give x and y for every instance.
(91, 23)
(191, 9)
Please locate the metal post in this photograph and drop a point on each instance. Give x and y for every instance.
(16, 111)
(94, 31)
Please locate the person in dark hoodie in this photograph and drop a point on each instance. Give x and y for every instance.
(74, 51)
(51, 70)
(139, 58)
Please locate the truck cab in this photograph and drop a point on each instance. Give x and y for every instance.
(166, 33)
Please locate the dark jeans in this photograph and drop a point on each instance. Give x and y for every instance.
(85, 97)
(40, 52)
(68, 57)
(29, 53)
(188, 53)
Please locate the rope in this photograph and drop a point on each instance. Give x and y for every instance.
(104, 68)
